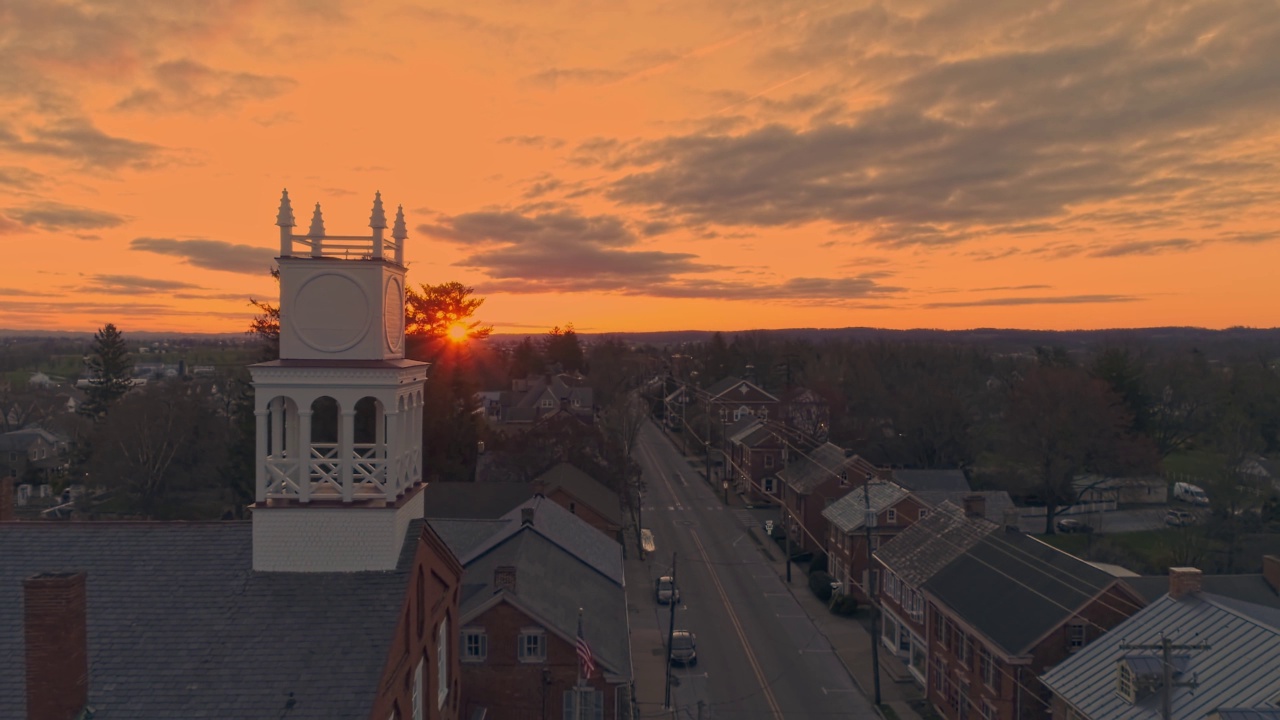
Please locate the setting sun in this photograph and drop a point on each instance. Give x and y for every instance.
(458, 332)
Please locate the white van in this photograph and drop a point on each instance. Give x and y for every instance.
(1186, 492)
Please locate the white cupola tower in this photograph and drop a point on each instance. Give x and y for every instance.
(339, 414)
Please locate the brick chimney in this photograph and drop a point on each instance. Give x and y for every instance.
(57, 646)
(504, 578)
(6, 499)
(1184, 581)
(975, 506)
(1271, 571)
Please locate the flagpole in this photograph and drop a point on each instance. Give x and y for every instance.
(580, 635)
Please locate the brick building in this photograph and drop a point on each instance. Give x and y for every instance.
(335, 601)
(809, 483)
(755, 457)
(582, 495)
(894, 509)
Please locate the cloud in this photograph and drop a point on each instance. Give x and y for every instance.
(134, 284)
(1145, 247)
(192, 87)
(504, 32)
(23, 292)
(19, 177)
(553, 77)
(79, 141)
(532, 141)
(1054, 300)
(56, 216)
(210, 254)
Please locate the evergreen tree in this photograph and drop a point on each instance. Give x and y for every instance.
(562, 347)
(110, 371)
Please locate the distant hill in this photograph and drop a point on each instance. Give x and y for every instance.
(129, 334)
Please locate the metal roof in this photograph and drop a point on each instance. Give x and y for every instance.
(917, 480)
(809, 470)
(849, 512)
(915, 554)
(1237, 671)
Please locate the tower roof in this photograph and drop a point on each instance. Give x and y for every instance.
(399, 231)
(378, 219)
(317, 223)
(284, 218)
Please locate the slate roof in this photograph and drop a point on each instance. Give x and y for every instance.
(552, 584)
(1013, 588)
(809, 470)
(488, 500)
(561, 527)
(922, 480)
(756, 437)
(463, 535)
(849, 512)
(742, 427)
(1250, 588)
(915, 554)
(1237, 671)
(724, 386)
(586, 489)
(179, 625)
(996, 501)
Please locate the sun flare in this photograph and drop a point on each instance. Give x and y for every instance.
(458, 332)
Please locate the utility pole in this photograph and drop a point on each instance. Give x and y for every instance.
(869, 519)
(1166, 648)
(707, 442)
(671, 628)
(639, 520)
(786, 530)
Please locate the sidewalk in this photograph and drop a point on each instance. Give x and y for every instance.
(648, 635)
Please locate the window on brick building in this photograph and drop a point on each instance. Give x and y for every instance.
(988, 711)
(965, 702)
(1075, 636)
(924, 513)
(987, 666)
(891, 516)
(939, 673)
(418, 679)
(768, 461)
(768, 485)
(475, 645)
(442, 663)
(533, 645)
(420, 594)
(962, 649)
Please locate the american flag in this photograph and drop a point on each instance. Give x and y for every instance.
(586, 663)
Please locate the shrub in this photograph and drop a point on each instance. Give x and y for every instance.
(820, 584)
(845, 605)
(819, 563)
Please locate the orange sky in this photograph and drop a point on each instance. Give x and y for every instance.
(634, 166)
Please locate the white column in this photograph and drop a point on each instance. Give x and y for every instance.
(260, 469)
(392, 463)
(304, 455)
(277, 427)
(346, 431)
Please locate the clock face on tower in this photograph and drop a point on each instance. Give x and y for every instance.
(393, 315)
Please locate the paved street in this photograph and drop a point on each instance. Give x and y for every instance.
(759, 654)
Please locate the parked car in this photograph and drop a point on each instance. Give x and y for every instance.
(1179, 518)
(1186, 492)
(1072, 525)
(684, 648)
(665, 590)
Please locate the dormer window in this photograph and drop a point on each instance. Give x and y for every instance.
(1124, 681)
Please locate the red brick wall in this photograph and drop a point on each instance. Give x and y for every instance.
(513, 690)
(590, 516)
(441, 576)
(57, 655)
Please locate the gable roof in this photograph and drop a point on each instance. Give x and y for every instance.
(742, 427)
(563, 529)
(720, 391)
(1250, 588)
(915, 554)
(1237, 670)
(849, 512)
(584, 488)
(1013, 588)
(995, 502)
(489, 500)
(551, 584)
(921, 480)
(179, 624)
(811, 469)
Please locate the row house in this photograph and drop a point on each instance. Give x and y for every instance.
(1225, 631)
(755, 457)
(997, 613)
(531, 579)
(537, 398)
(732, 398)
(891, 507)
(582, 495)
(809, 483)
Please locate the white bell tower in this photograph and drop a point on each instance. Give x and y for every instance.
(339, 414)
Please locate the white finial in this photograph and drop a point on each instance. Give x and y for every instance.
(399, 231)
(284, 218)
(317, 224)
(378, 219)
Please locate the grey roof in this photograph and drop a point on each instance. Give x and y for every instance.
(1013, 588)
(1238, 670)
(564, 529)
(488, 500)
(921, 480)
(25, 438)
(809, 470)
(996, 501)
(552, 584)
(758, 436)
(742, 427)
(586, 489)
(923, 549)
(723, 385)
(179, 625)
(1248, 588)
(1247, 714)
(464, 535)
(849, 512)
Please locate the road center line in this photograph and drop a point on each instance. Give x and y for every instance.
(737, 627)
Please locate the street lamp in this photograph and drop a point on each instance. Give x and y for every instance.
(724, 485)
